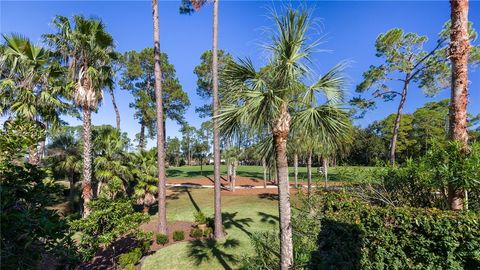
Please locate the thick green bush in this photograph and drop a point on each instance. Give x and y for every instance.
(338, 231)
(178, 236)
(130, 267)
(130, 258)
(200, 217)
(208, 232)
(196, 233)
(355, 235)
(162, 239)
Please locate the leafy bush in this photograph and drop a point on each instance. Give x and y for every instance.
(339, 231)
(357, 235)
(196, 233)
(162, 239)
(108, 221)
(208, 232)
(178, 236)
(423, 182)
(130, 258)
(200, 217)
(29, 227)
(130, 267)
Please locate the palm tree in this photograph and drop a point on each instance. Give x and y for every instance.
(268, 99)
(112, 172)
(87, 49)
(65, 152)
(459, 48)
(30, 87)
(145, 173)
(162, 215)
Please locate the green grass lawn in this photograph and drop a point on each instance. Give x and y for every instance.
(242, 215)
(334, 173)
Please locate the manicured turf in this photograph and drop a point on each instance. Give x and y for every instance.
(242, 215)
(255, 172)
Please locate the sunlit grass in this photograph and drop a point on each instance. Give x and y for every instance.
(242, 215)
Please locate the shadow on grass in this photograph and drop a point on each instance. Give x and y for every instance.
(230, 221)
(208, 249)
(268, 196)
(268, 218)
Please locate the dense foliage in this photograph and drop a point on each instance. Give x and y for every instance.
(109, 221)
(30, 230)
(339, 231)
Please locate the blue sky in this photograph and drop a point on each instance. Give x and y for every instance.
(349, 27)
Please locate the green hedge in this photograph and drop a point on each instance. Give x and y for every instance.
(355, 235)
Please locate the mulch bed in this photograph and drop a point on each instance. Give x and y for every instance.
(185, 226)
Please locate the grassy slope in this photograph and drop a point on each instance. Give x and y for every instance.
(250, 171)
(242, 216)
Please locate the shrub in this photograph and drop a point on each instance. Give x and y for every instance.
(339, 231)
(200, 217)
(355, 235)
(196, 233)
(131, 257)
(178, 236)
(208, 232)
(162, 239)
(130, 267)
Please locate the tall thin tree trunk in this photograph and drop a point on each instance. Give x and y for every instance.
(141, 139)
(234, 175)
(459, 47)
(264, 165)
(325, 171)
(309, 173)
(71, 191)
(87, 192)
(115, 108)
(280, 133)
(295, 169)
(218, 230)
(162, 215)
(396, 125)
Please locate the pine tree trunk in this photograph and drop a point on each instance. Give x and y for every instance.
(218, 230)
(162, 215)
(325, 171)
(87, 192)
(280, 133)
(234, 175)
(71, 191)
(459, 47)
(309, 173)
(141, 139)
(264, 164)
(115, 108)
(396, 125)
(295, 168)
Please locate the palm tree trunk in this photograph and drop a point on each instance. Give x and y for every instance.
(309, 173)
(459, 46)
(115, 108)
(87, 192)
(396, 125)
(218, 230)
(295, 168)
(264, 164)
(280, 133)
(162, 215)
